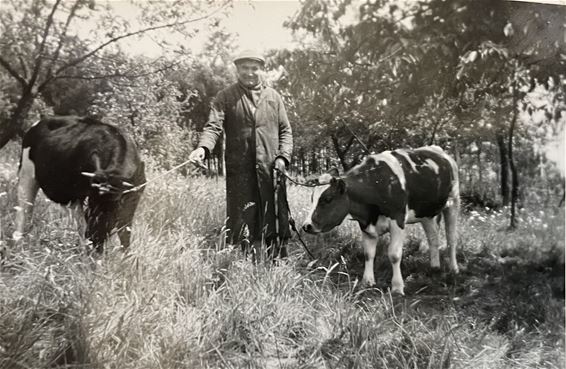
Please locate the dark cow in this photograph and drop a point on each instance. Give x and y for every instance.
(387, 191)
(82, 162)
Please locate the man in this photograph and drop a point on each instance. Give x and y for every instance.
(258, 139)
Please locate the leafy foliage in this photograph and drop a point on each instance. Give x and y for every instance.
(40, 42)
(150, 108)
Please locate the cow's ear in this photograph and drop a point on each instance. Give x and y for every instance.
(334, 172)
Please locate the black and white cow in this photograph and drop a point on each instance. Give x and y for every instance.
(84, 163)
(384, 193)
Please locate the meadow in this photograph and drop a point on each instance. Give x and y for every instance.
(180, 299)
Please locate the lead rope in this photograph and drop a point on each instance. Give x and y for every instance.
(137, 188)
(282, 174)
(275, 176)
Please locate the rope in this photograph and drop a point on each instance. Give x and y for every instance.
(139, 187)
(299, 183)
(276, 185)
(291, 220)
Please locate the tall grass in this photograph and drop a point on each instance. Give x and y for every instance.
(180, 299)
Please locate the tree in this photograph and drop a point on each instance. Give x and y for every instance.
(346, 75)
(201, 80)
(148, 104)
(40, 42)
(456, 73)
(510, 70)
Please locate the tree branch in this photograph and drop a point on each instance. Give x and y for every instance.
(364, 147)
(72, 13)
(12, 72)
(39, 56)
(118, 75)
(113, 40)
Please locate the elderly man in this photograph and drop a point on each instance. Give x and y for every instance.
(258, 139)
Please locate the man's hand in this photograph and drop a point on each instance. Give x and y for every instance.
(280, 165)
(197, 156)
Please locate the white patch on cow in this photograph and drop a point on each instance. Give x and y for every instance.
(28, 167)
(27, 189)
(405, 154)
(436, 149)
(316, 192)
(455, 182)
(369, 241)
(17, 236)
(35, 123)
(395, 253)
(371, 231)
(382, 225)
(432, 165)
(410, 216)
(394, 164)
(430, 226)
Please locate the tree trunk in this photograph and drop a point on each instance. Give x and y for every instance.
(504, 168)
(302, 162)
(15, 125)
(480, 166)
(221, 151)
(341, 153)
(314, 162)
(434, 129)
(457, 155)
(514, 175)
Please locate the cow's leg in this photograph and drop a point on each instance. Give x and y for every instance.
(369, 240)
(97, 224)
(125, 216)
(125, 235)
(78, 215)
(431, 229)
(27, 191)
(450, 214)
(395, 254)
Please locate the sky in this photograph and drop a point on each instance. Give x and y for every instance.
(258, 24)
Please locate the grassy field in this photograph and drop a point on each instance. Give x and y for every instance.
(178, 299)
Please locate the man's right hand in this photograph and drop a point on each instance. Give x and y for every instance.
(197, 156)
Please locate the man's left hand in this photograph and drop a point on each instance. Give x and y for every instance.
(280, 164)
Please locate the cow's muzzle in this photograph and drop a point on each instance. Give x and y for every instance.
(309, 228)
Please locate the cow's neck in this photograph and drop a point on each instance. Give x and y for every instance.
(359, 209)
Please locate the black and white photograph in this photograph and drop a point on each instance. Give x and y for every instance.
(282, 184)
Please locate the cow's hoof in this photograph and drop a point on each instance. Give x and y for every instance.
(17, 237)
(367, 284)
(397, 292)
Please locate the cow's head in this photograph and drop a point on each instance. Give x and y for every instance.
(330, 204)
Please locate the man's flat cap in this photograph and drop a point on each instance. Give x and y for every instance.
(249, 55)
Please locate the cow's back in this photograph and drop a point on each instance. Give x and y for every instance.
(63, 147)
(430, 177)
